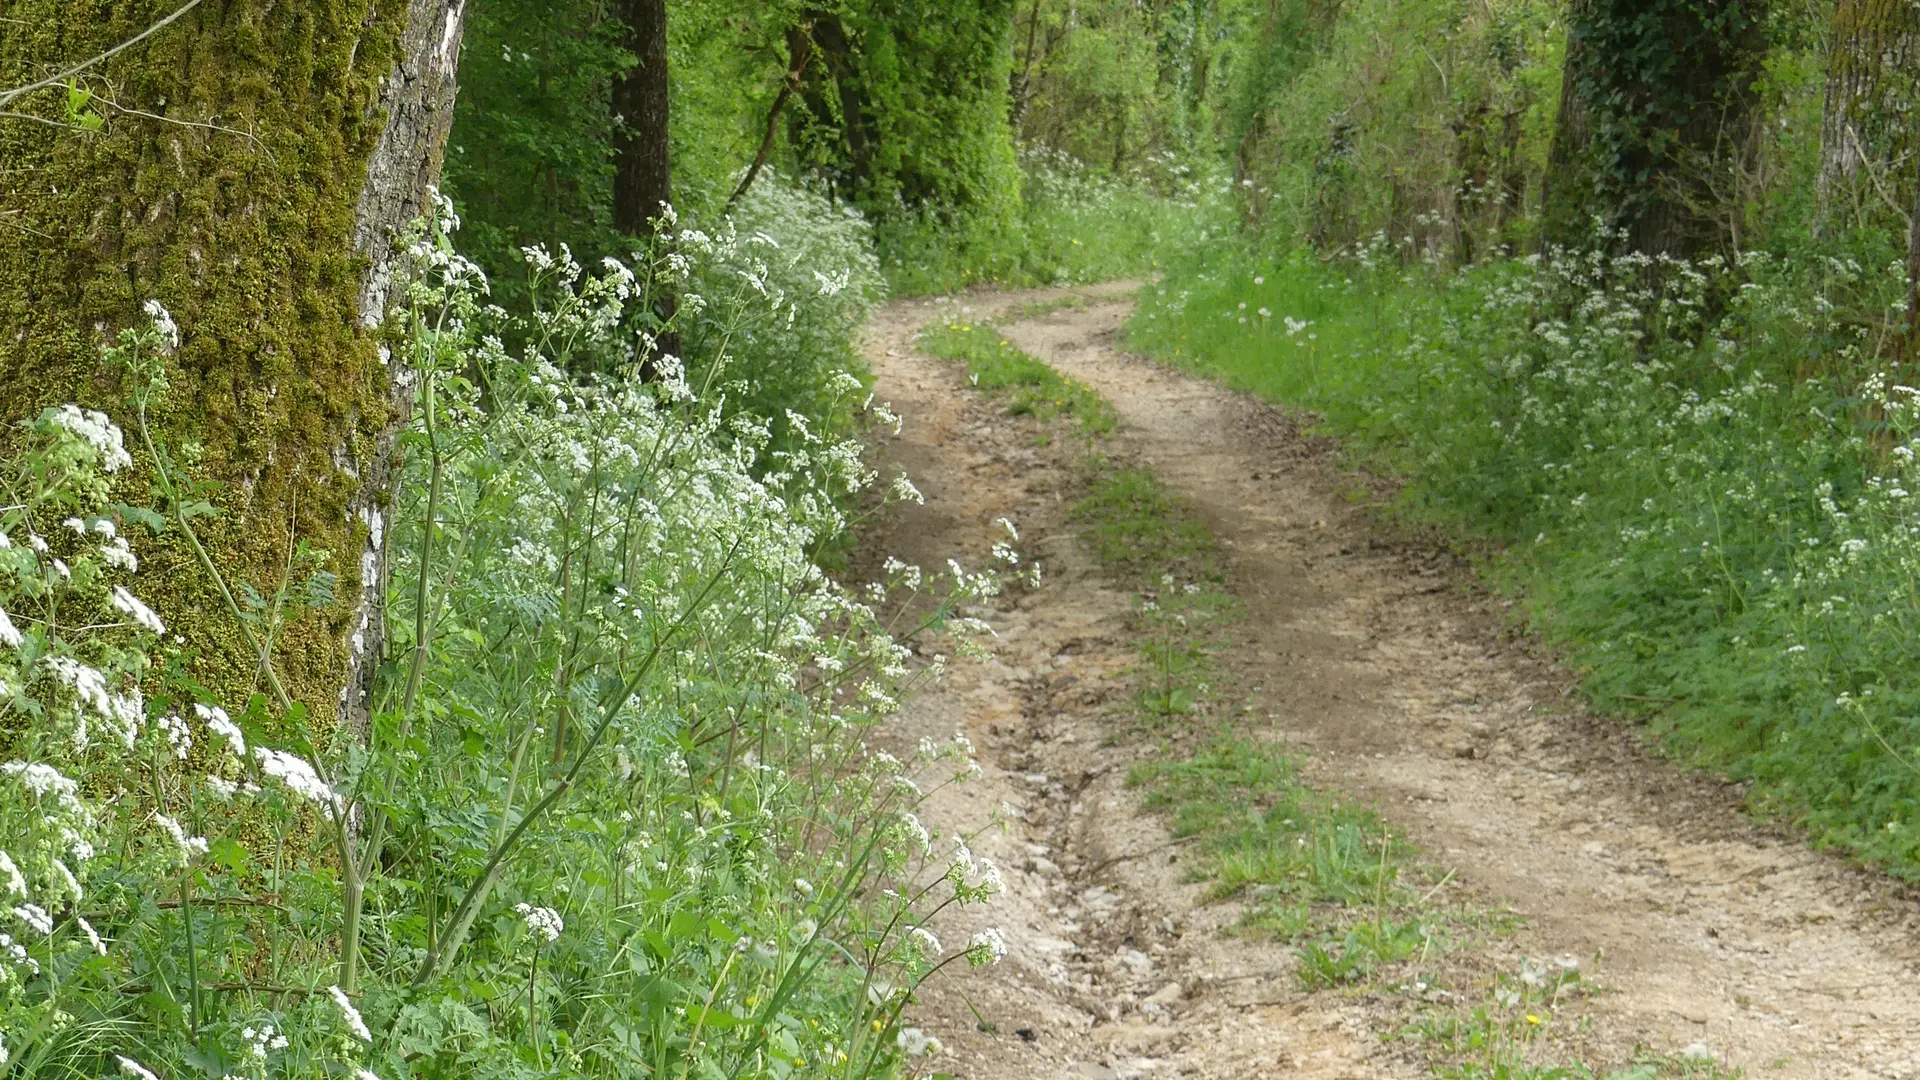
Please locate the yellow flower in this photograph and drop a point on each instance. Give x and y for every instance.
(876, 1025)
(1532, 1019)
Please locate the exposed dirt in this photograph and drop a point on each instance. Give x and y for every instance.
(1371, 652)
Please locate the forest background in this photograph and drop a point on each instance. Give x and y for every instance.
(1623, 291)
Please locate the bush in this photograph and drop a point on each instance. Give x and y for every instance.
(613, 814)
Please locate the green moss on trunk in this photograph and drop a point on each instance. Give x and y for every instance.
(236, 208)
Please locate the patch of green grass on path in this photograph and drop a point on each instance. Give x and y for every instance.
(1030, 386)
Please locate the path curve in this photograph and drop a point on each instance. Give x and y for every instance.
(1373, 653)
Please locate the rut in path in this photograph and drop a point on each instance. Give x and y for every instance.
(1404, 690)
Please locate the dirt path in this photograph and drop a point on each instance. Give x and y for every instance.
(1370, 652)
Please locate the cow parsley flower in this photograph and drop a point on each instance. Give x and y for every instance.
(189, 845)
(134, 1069)
(10, 875)
(94, 429)
(129, 605)
(987, 947)
(9, 635)
(351, 1015)
(298, 776)
(163, 324)
(221, 724)
(542, 922)
(35, 917)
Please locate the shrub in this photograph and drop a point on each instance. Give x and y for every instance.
(613, 813)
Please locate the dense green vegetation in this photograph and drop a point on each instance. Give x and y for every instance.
(1697, 469)
(417, 660)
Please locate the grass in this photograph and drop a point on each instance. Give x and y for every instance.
(1074, 227)
(1141, 531)
(1030, 387)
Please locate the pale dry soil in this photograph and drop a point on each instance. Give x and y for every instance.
(1370, 651)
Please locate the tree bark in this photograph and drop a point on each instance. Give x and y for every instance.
(258, 202)
(643, 179)
(643, 176)
(1866, 124)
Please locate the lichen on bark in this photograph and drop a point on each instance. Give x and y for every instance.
(286, 141)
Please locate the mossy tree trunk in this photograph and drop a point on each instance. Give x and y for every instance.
(1656, 108)
(256, 193)
(1866, 131)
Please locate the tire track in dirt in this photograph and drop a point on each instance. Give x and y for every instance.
(1368, 651)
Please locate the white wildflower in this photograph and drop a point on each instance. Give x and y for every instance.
(189, 845)
(221, 724)
(163, 324)
(130, 605)
(35, 917)
(44, 779)
(298, 776)
(116, 554)
(9, 635)
(542, 922)
(10, 875)
(926, 939)
(988, 946)
(350, 1014)
(93, 936)
(95, 430)
(135, 1069)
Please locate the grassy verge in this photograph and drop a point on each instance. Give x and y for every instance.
(1350, 894)
(1030, 387)
(1702, 492)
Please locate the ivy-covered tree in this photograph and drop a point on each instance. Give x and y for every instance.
(1657, 102)
(246, 166)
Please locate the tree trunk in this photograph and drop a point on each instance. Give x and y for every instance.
(643, 178)
(1865, 131)
(1656, 111)
(1570, 194)
(258, 201)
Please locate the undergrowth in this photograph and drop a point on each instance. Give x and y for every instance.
(1076, 225)
(611, 812)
